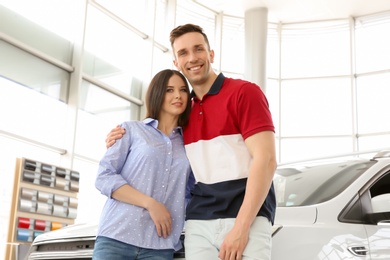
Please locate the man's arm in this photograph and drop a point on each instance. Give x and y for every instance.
(115, 134)
(262, 148)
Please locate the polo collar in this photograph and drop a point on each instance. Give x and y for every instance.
(216, 87)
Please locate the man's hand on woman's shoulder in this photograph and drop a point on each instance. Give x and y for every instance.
(115, 134)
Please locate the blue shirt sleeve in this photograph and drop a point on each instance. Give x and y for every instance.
(109, 178)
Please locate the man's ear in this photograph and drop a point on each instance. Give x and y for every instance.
(175, 63)
(212, 56)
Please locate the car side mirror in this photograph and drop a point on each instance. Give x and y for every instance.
(381, 203)
(380, 210)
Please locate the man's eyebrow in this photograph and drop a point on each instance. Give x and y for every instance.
(194, 47)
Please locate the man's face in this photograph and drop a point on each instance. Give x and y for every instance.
(193, 58)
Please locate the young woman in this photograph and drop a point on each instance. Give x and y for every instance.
(144, 176)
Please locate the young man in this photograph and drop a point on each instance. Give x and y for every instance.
(229, 141)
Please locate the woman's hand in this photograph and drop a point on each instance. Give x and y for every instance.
(161, 218)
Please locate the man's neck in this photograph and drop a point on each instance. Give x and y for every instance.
(202, 89)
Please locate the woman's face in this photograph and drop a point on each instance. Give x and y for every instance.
(176, 97)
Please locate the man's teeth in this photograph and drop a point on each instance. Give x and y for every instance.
(195, 68)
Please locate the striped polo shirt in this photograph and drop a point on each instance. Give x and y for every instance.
(231, 111)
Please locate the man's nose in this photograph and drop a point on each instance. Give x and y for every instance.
(193, 57)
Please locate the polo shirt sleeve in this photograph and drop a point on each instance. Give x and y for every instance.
(253, 111)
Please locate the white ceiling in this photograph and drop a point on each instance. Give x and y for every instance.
(290, 11)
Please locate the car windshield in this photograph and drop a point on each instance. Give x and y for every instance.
(308, 184)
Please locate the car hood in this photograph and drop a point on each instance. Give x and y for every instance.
(72, 231)
(295, 215)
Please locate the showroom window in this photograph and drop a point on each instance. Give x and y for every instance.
(233, 47)
(315, 49)
(113, 53)
(372, 45)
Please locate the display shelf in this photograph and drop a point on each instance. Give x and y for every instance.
(44, 199)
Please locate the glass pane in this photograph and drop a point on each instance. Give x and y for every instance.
(373, 96)
(322, 181)
(32, 72)
(272, 52)
(316, 49)
(114, 54)
(161, 60)
(132, 12)
(49, 26)
(233, 75)
(367, 143)
(316, 107)
(102, 103)
(162, 23)
(31, 114)
(233, 45)
(89, 212)
(189, 12)
(372, 43)
(272, 94)
(308, 148)
(101, 111)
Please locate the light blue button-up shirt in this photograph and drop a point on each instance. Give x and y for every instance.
(154, 164)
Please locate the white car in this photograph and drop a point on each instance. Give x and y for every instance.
(333, 209)
(328, 209)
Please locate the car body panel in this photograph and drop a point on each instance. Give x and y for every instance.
(324, 239)
(77, 231)
(379, 240)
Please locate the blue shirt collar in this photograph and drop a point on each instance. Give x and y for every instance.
(154, 123)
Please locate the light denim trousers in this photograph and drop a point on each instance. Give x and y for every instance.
(203, 238)
(110, 249)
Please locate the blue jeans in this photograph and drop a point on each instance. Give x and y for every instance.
(107, 248)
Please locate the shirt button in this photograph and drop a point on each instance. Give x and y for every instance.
(200, 113)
